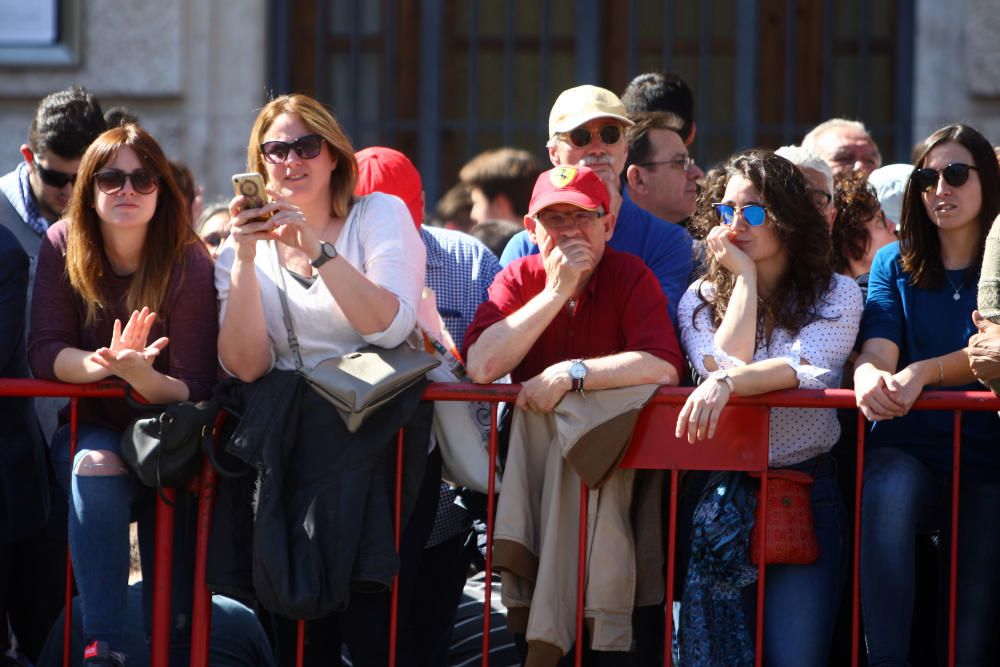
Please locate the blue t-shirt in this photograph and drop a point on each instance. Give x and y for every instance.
(663, 246)
(927, 323)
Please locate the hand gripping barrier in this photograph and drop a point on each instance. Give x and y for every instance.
(740, 444)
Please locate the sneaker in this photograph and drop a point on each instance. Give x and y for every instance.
(98, 654)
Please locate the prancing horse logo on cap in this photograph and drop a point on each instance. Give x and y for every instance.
(562, 176)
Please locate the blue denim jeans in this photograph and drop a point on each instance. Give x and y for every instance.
(901, 499)
(801, 601)
(100, 511)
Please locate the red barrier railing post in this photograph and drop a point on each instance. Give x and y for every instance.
(761, 569)
(668, 642)
(953, 556)
(162, 576)
(397, 531)
(856, 547)
(300, 643)
(201, 613)
(581, 575)
(490, 506)
(68, 613)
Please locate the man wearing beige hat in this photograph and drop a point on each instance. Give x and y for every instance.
(587, 128)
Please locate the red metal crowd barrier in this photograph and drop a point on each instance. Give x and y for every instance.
(740, 444)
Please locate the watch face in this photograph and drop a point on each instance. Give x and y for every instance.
(578, 371)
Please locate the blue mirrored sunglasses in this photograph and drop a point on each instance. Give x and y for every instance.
(753, 214)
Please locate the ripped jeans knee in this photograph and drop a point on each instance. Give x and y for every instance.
(98, 463)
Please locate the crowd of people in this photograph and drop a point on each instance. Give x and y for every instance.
(620, 268)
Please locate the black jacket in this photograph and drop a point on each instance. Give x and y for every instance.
(24, 499)
(323, 516)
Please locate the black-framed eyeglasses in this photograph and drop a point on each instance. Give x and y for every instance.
(683, 163)
(306, 147)
(955, 174)
(753, 214)
(608, 134)
(555, 221)
(821, 198)
(54, 177)
(111, 181)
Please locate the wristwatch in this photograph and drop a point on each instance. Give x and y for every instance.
(577, 373)
(326, 252)
(723, 376)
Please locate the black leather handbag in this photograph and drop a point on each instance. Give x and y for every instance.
(164, 449)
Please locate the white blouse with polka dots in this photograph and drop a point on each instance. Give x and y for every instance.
(817, 353)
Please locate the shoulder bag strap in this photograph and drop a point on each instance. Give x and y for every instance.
(293, 341)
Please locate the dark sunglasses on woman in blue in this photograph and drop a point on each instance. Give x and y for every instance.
(754, 214)
(955, 174)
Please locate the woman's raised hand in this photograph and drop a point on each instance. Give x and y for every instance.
(719, 243)
(128, 351)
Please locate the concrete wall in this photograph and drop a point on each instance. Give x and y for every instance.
(957, 61)
(193, 71)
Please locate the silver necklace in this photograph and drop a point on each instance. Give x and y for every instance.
(955, 296)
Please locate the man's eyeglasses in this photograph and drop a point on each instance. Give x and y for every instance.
(753, 214)
(955, 174)
(821, 198)
(53, 177)
(306, 147)
(581, 136)
(111, 181)
(682, 163)
(555, 221)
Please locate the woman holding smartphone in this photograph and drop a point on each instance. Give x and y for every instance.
(771, 314)
(921, 294)
(123, 289)
(353, 271)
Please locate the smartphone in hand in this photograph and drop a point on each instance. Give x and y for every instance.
(251, 186)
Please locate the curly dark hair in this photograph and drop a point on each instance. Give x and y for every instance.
(712, 190)
(856, 203)
(919, 243)
(802, 232)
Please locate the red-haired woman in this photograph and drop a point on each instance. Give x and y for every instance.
(123, 289)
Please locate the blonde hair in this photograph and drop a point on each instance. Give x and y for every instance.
(318, 120)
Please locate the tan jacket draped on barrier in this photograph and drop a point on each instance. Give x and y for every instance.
(537, 527)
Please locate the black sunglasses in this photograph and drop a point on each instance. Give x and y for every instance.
(111, 181)
(581, 136)
(53, 177)
(955, 174)
(306, 147)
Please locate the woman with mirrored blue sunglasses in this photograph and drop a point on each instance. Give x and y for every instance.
(917, 323)
(771, 314)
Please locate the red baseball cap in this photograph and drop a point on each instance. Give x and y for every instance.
(382, 169)
(579, 186)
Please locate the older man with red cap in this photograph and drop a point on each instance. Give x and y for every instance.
(577, 298)
(585, 329)
(587, 129)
